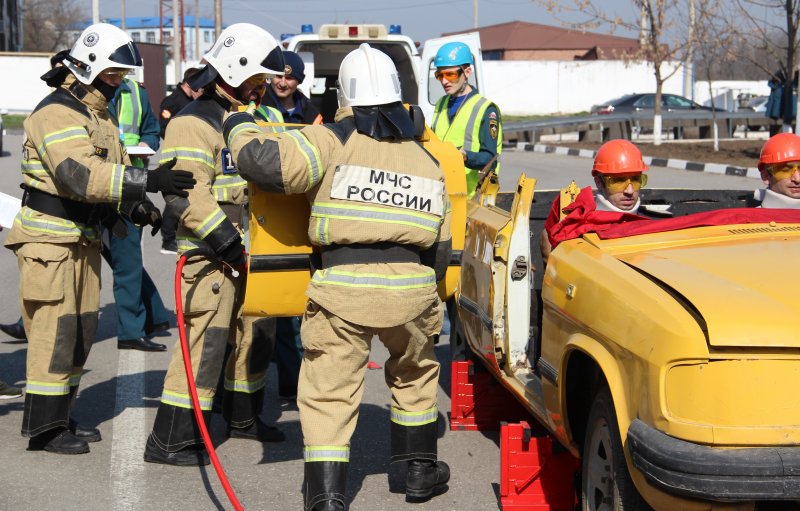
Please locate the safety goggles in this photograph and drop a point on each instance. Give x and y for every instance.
(618, 183)
(784, 170)
(451, 75)
(257, 81)
(116, 73)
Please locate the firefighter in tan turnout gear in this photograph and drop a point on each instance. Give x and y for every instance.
(76, 173)
(380, 217)
(239, 66)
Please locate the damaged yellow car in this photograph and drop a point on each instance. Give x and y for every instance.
(665, 355)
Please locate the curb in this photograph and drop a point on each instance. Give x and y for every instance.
(713, 168)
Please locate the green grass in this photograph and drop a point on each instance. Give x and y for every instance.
(13, 121)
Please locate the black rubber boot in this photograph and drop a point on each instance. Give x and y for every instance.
(426, 476)
(59, 441)
(324, 486)
(85, 433)
(191, 456)
(259, 431)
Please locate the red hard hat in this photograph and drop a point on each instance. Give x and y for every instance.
(618, 157)
(781, 148)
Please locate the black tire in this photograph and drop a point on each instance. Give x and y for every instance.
(606, 484)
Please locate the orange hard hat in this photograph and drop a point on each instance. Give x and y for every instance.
(781, 148)
(618, 157)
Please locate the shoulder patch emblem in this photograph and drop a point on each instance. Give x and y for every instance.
(101, 152)
(166, 114)
(493, 129)
(492, 115)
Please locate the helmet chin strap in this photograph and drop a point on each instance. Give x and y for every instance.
(234, 93)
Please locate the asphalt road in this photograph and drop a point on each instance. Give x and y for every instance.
(120, 391)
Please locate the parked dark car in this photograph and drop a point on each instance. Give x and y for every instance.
(646, 103)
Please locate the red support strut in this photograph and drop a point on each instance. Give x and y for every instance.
(535, 473)
(478, 401)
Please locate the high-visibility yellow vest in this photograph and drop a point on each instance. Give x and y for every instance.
(464, 132)
(129, 113)
(271, 115)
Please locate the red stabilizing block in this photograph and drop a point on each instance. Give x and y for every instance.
(532, 476)
(478, 401)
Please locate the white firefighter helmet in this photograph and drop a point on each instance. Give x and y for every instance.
(243, 50)
(368, 77)
(99, 47)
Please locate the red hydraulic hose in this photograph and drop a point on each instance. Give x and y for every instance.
(198, 414)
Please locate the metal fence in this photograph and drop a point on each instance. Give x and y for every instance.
(598, 128)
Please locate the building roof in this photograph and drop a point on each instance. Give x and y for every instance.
(139, 22)
(521, 35)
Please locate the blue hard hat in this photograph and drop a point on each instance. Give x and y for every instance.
(453, 54)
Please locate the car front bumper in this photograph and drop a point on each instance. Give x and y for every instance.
(697, 471)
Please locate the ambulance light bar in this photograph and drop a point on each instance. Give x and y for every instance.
(352, 32)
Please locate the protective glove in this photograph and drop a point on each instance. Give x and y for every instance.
(146, 213)
(234, 255)
(168, 181)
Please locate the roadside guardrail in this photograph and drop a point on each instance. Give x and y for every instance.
(599, 128)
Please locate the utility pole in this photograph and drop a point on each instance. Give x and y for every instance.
(177, 26)
(217, 18)
(474, 13)
(196, 30)
(688, 65)
(122, 23)
(95, 11)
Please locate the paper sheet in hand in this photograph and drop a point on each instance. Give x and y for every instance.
(139, 150)
(9, 207)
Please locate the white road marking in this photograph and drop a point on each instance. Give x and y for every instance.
(127, 446)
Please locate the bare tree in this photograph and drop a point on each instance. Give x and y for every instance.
(714, 48)
(772, 28)
(661, 39)
(47, 23)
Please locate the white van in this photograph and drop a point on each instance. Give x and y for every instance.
(323, 52)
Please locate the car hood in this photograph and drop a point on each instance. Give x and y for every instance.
(743, 289)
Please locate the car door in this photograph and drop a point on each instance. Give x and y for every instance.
(430, 90)
(495, 293)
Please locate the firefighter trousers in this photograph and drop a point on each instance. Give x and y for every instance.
(331, 384)
(212, 302)
(59, 300)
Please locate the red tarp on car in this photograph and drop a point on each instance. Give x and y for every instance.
(583, 217)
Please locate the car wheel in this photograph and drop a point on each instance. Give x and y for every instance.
(606, 484)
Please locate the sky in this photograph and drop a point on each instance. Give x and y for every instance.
(420, 19)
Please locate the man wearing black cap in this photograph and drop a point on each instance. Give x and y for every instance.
(179, 98)
(284, 96)
(170, 106)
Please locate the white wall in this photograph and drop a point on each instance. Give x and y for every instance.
(518, 87)
(21, 89)
(547, 87)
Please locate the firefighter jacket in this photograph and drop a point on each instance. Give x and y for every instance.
(211, 216)
(72, 150)
(474, 126)
(363, 193)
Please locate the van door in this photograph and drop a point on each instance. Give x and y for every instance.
(430, 90)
